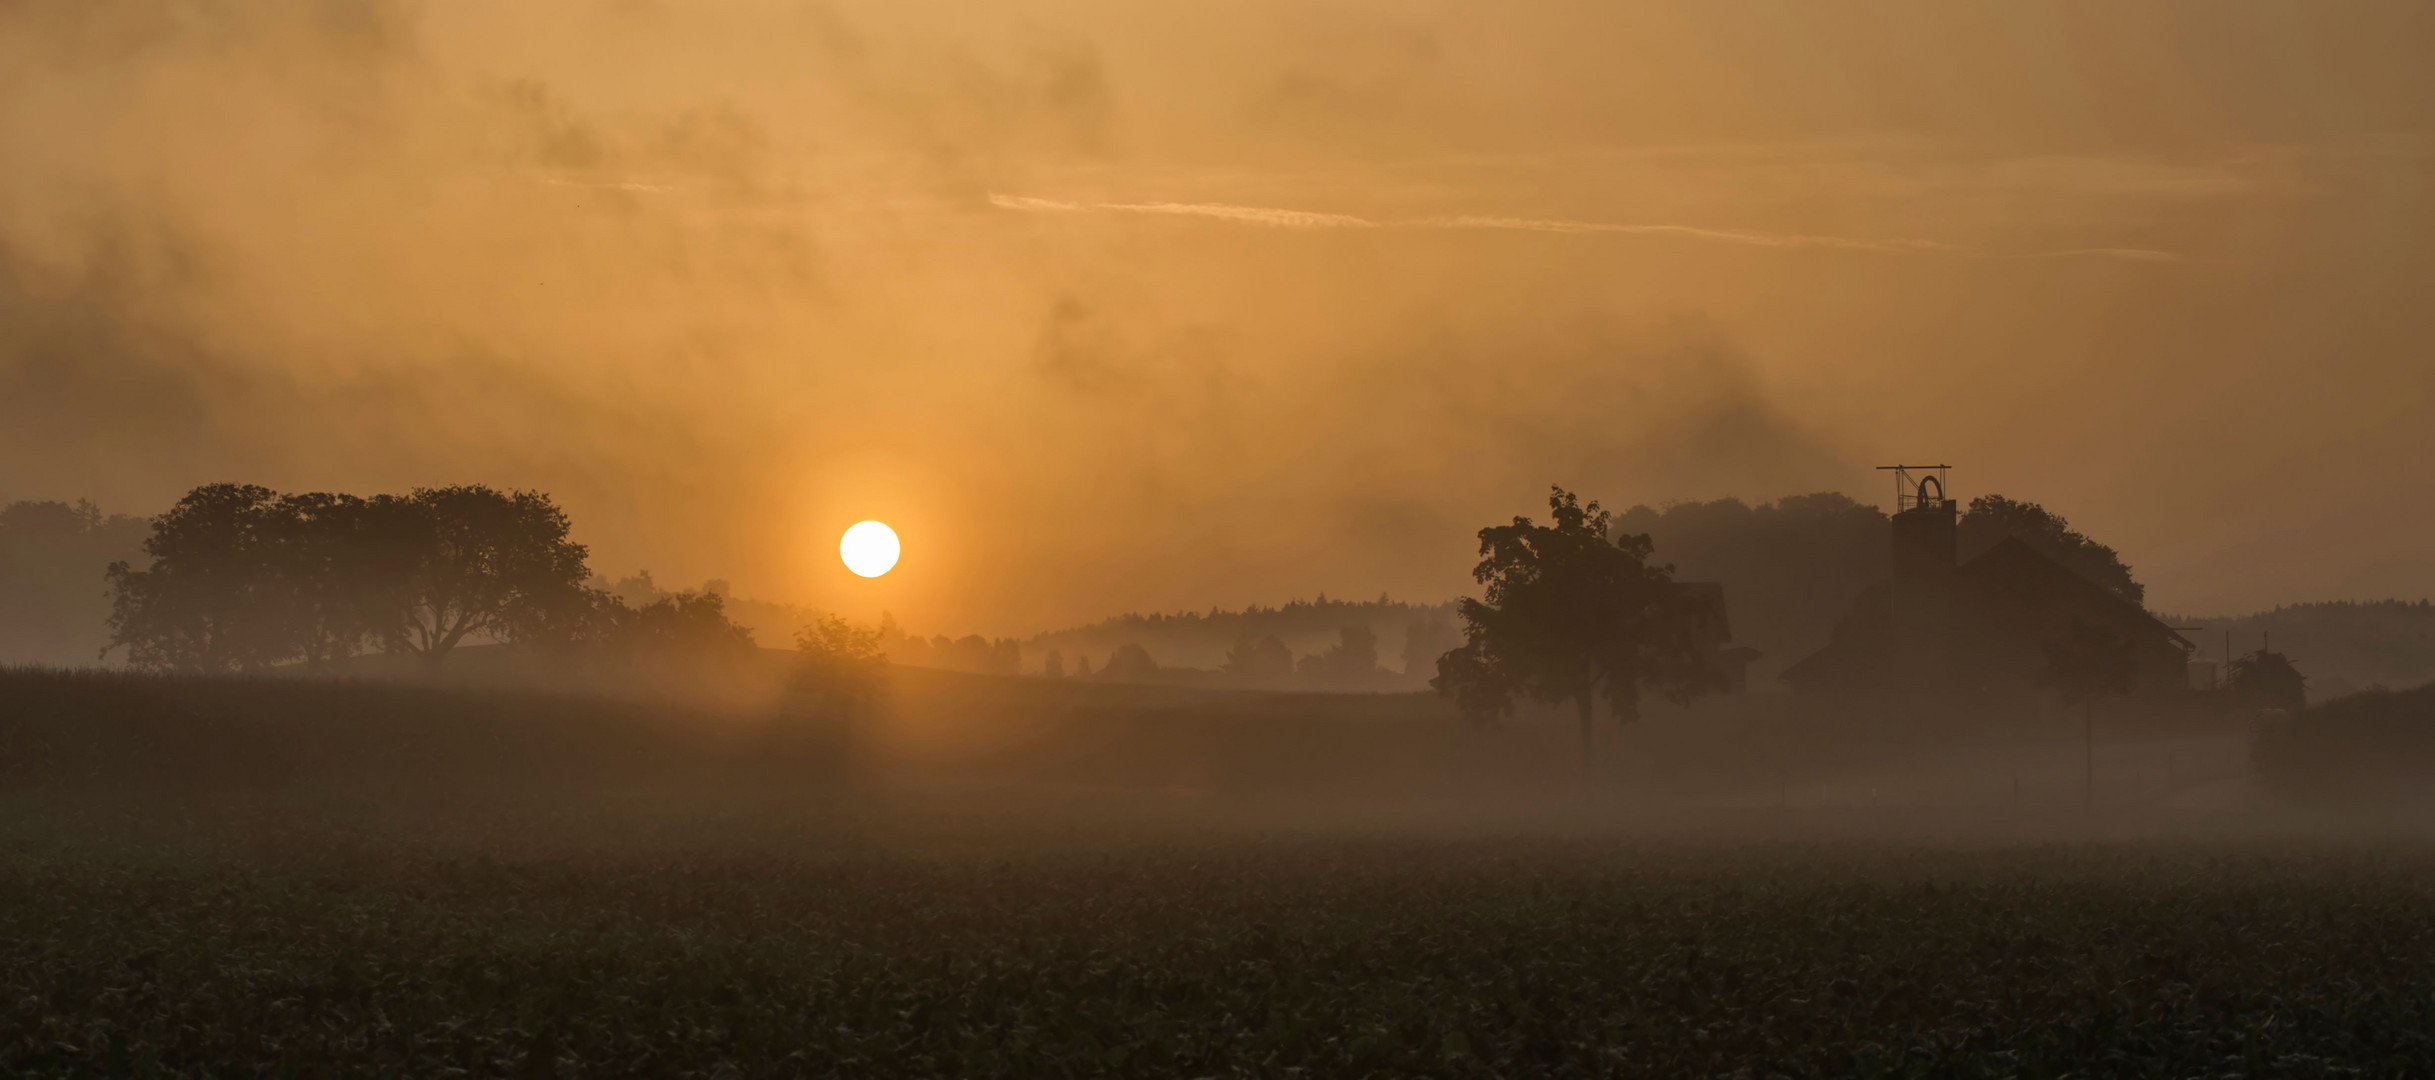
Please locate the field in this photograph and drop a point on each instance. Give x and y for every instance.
(664, 900)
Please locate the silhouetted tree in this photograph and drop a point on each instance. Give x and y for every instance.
(967, 653)
(839, 662)
(2268, 680)
(1569, 615)
(1129, 663)
(1262, 659)
(243, 578)
(2085, 664)
(211, 600)
(1791, 567)
(1054, 666)
(836, 646)
(683, 625)
(1351, 662)
(483, 562)
(1991, 518)
(336, 571)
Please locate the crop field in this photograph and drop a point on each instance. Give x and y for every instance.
(769, 954)
(230, 878)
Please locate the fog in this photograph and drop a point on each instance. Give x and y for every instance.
(1110, 307)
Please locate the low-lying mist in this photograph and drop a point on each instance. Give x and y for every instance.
(947, 753)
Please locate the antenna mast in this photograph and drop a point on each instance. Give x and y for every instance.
(1910, 492)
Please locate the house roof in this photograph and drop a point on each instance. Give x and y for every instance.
(2011, 564)
(2010, 572)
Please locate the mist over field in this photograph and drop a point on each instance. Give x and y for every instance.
(1331, 538)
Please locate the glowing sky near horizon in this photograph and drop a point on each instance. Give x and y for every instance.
(1136, 307)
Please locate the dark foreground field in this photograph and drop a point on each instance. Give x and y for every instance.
(762, 956)
(291, 880)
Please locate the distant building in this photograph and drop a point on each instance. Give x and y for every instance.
(1941, 626)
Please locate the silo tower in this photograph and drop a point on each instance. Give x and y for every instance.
(1926, 560)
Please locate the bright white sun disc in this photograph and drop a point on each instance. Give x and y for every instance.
(869, 548)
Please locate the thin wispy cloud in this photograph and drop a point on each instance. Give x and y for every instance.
(1726, 236)
(2126, 254)
(1248, 215)
(1276, 217)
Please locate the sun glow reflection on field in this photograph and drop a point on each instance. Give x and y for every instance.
(869, 548)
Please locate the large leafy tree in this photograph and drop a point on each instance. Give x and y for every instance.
(1571, 614)
(482, 563)
(334, 573)
(1795, 564)
(1991, 518)
(212, 598)
(243, 578)
(681, 626)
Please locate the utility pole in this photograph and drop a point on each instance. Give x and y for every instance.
(2088, 751)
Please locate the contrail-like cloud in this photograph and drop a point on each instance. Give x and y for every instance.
(1725, 236)
(1275, 217)
(2126, 254)
(1248, 215)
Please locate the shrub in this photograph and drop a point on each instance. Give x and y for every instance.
(2377, 746)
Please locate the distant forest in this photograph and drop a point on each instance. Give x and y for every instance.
(1321, 640)
(1791, 569)
(1380, 644)
(2343, 646)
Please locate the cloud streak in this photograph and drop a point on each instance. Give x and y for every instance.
(1282, 218)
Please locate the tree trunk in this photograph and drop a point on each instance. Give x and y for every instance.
(2088, 752)
(1585, 701)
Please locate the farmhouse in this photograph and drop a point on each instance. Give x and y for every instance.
(1940, 626)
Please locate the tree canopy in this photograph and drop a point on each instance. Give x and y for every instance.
(212, 598)
(1991, 518)
(1261, 659)
(243, 578)
(1791, 567)
(478, 561)
(1570, 614)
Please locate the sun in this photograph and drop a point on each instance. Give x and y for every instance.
(869, 548)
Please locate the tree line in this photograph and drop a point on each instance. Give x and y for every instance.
(1575, 610)
(243, 578)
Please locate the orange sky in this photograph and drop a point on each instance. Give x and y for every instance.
(1112, 306)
